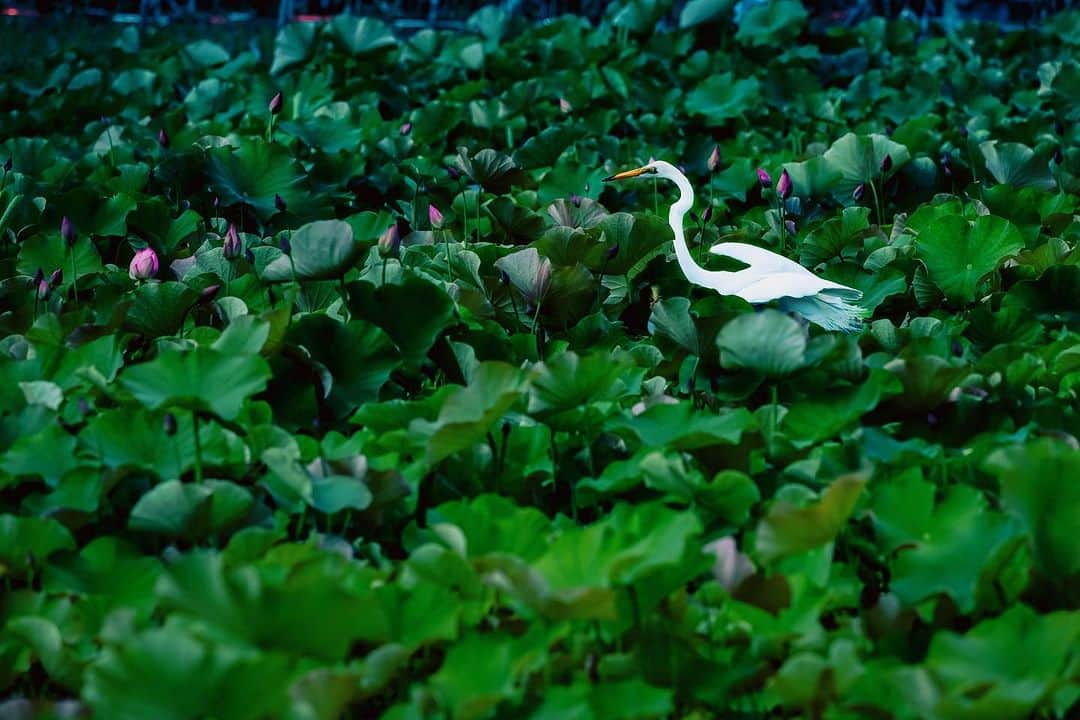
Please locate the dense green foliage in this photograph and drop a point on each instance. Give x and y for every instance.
(439, 429)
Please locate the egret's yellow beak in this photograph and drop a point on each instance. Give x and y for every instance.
(628, 174)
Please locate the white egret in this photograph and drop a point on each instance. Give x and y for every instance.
(769, 276)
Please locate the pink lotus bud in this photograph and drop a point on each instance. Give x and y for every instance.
(731, 567)
(38, 276)
(67, 230)
(232, 247)
(543, 279)
(144, 265)
(209, 293)
(405, 128)
(783, 185)
(707, 215)
(714, 159)
(763, 178)
(276, 103)
(43, 290)
(575, 200)
(57, 277)
(390, 242)
(163, 138)
(564, 105)
(279, 203)
(859, 191)
(434, 216)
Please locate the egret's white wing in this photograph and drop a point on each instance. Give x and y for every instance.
(784, 284)
(759, 259)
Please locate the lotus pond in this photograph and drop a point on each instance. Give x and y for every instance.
(334, 382)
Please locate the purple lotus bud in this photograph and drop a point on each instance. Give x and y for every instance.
(276, 102)
(763, 178)
(575, 200)
(434, 217)
(405, 128)
(714, 159)
(217, 202)
(168, 424)
(789, 225)
(57, 277)
(249, 256)
(43, 290)
(209, 293)
(232, 247)
(963, 131)
(694, 217)
(7, 164)
(613, 251)
(163, 138)
(1058, 155)
(144, 265)
(280, 204)
(859, 191)
(707, 215)
(453, 172)
(67, 230)
(543, 279)
(783, 185)
(84, 406)
(886, 163)
(946, 164)
(390, 242)
(39, 276)
(564, 106)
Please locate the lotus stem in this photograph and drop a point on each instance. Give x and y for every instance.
(198, 447)
(74, 278)
(877, 204)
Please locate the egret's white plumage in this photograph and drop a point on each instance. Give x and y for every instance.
(769, 276)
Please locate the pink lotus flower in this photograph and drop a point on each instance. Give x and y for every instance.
(390, 242)
(406, 128)
(67, 230)
(564, 105)
(784, 186)
(714, 159)
(144, 265)
(276, 103)
(435, 217)
(763, 178)
(232, 247)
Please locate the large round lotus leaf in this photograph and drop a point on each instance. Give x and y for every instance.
(321, 250)
(768, 342)
(294, 44)
(492, 170)
(361, 35)
(201, 379)
(697, 12)
(771, 23)
(857, 159)
(253, 173)
(721, 97)
(1017, 165)
(159, 308)
(958, 254)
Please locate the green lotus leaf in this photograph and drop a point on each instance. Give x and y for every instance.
(768, 342)
(958, 255)
(857, 160)
(321, 250)
(721, 97)
(202, 380)
(293, 45)
(773, 23)
(1017, 165)
(253, 173)
(788, 529)
(360, 35)
(698, 12)
(28, 541)
(492, 170)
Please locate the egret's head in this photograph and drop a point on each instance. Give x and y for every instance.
(653, 167)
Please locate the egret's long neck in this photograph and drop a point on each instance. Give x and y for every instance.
(694, 272)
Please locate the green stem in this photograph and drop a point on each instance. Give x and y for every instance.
(344, 296)
(198, 447)
(384, 271)
(877, 202)
(513, 303)
(655, 197)
(772, 420)
(74, 279)
(270, 130)
(783, 227)
(449, 265)
(536, 328)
